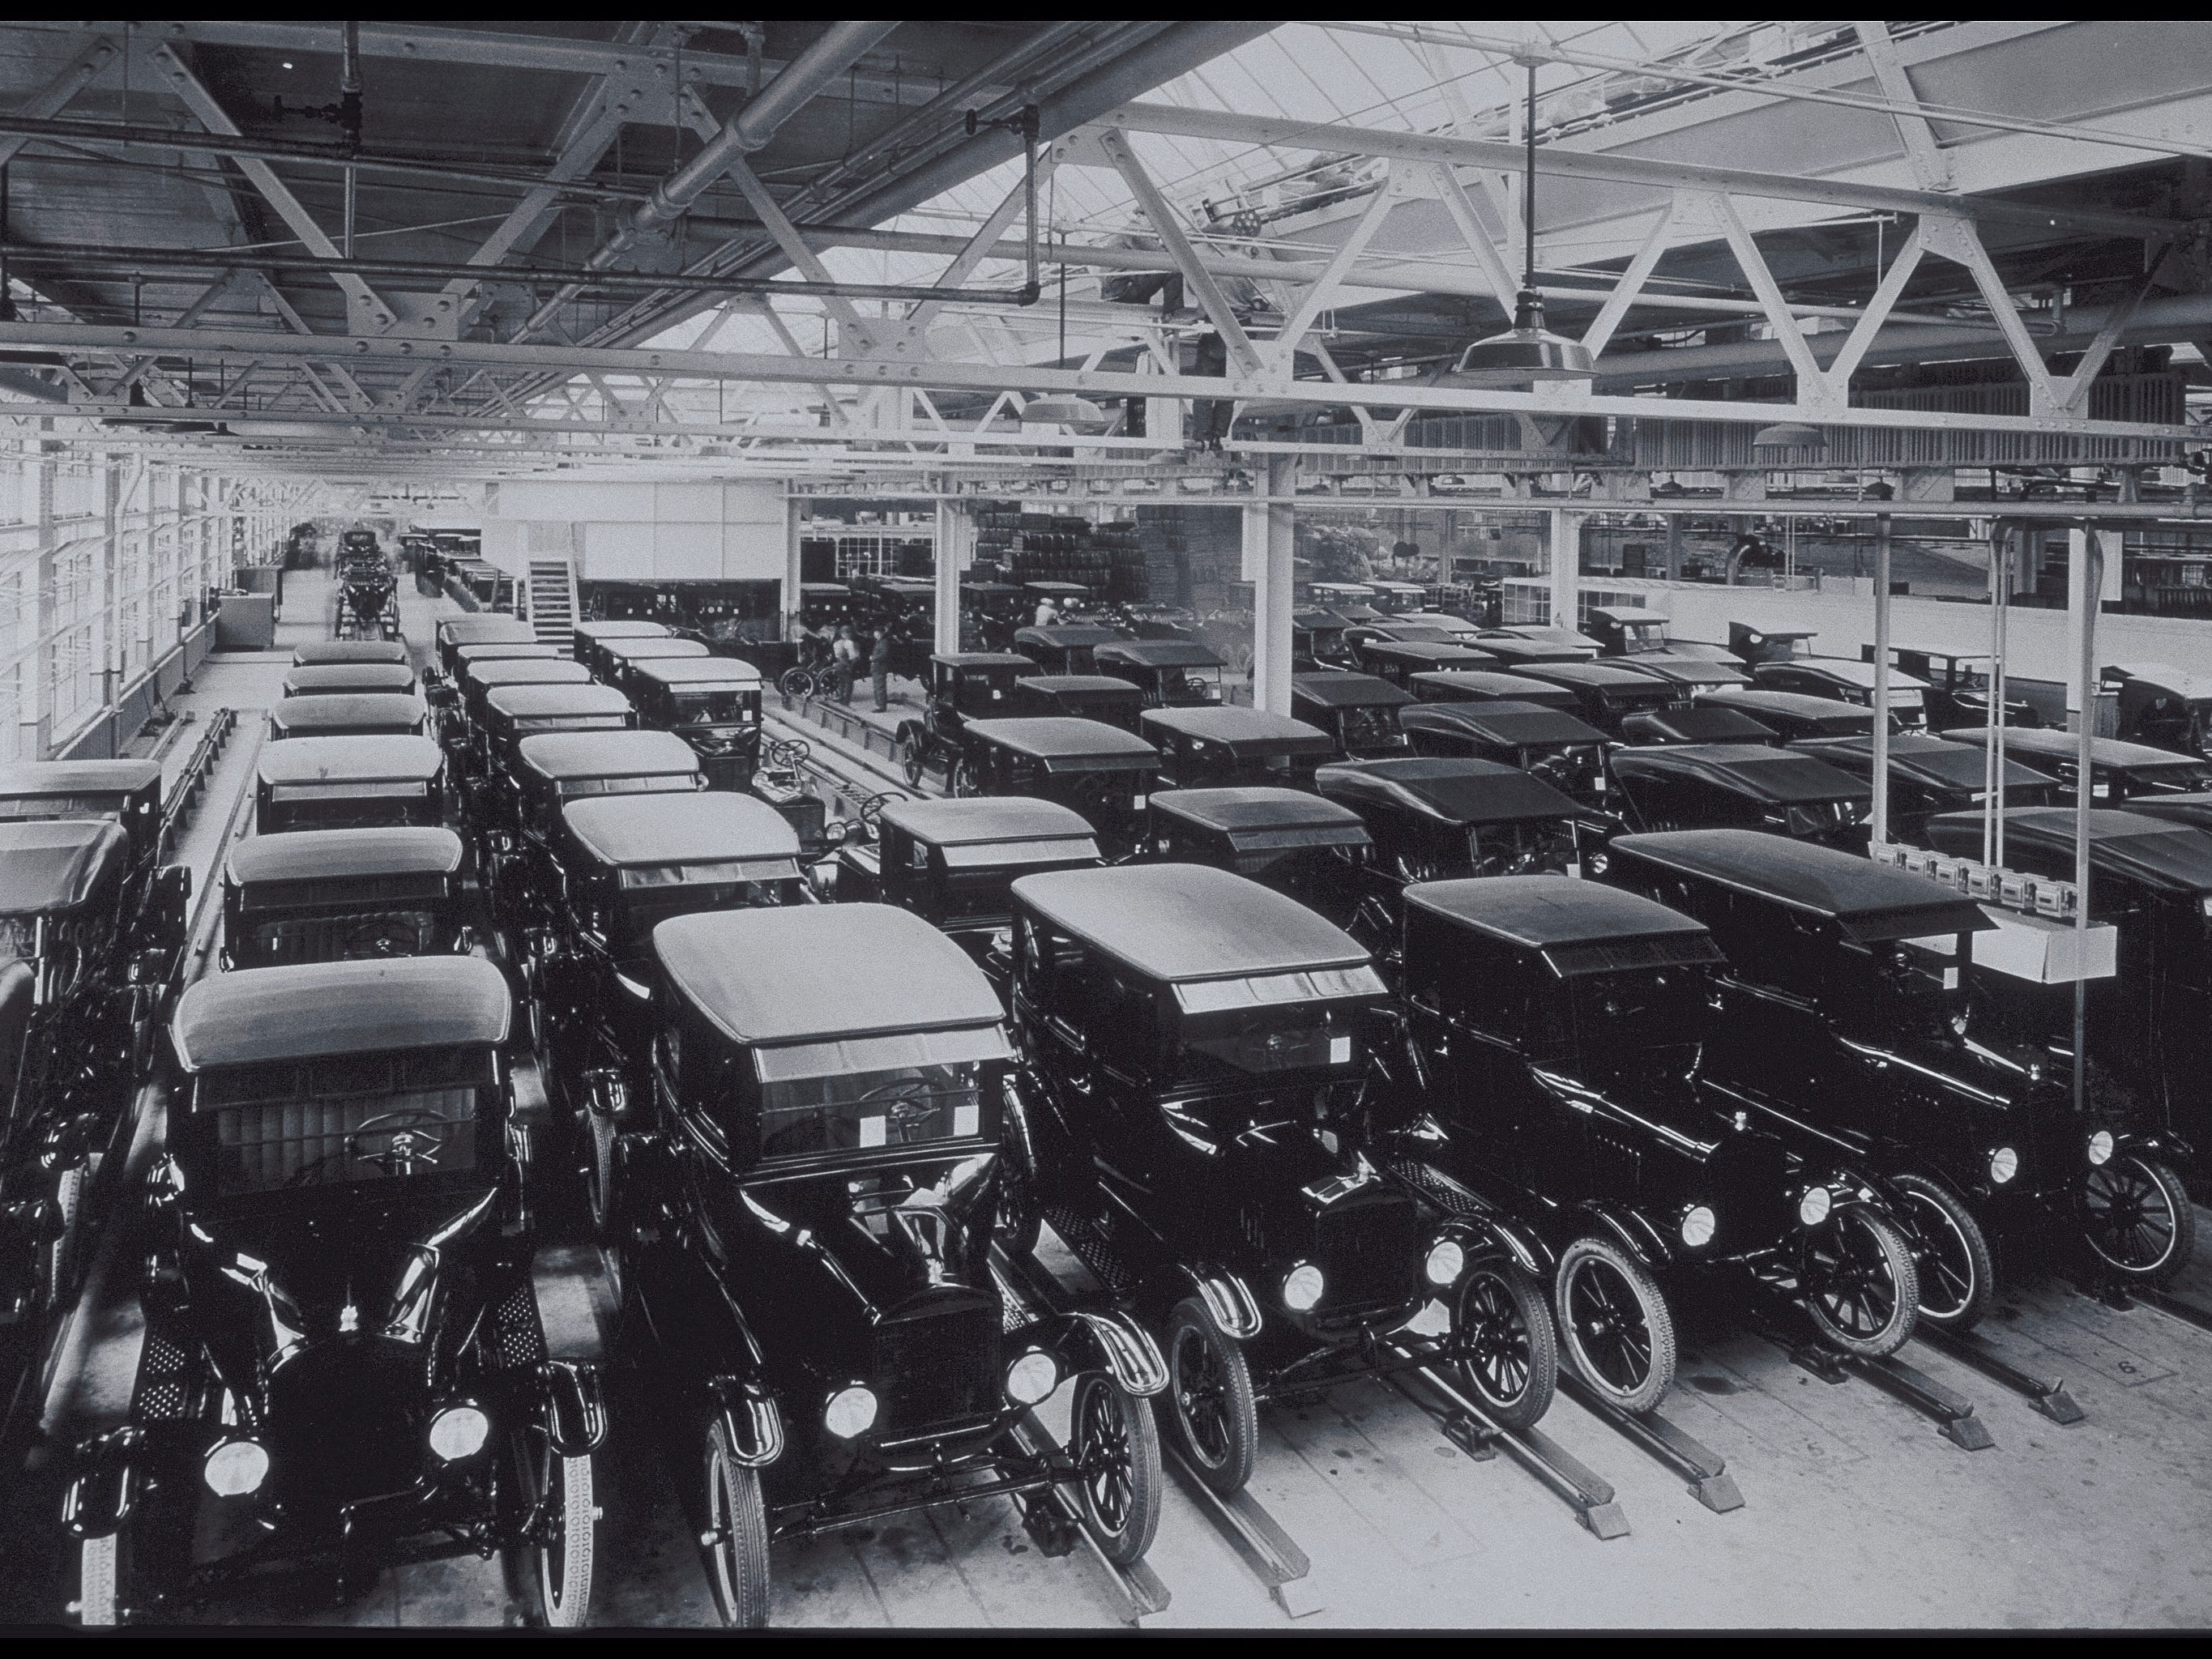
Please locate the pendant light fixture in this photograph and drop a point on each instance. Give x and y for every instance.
(1528, 353)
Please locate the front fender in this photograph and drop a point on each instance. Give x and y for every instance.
(753, 1427)
(1633, 1234)
(100, 1499)
(575, 1413)
(1110, 1342)
(1226, 1297)
(1491, 1235)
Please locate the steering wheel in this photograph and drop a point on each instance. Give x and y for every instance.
(413, 1135)
(378, 938)
(872, 809)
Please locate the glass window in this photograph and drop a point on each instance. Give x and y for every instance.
(351, 790)
(1263, 1038)
(867, 1110)
(19, 938)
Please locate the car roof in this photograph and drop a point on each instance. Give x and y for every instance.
(1849, 669)
(1844, 717)
(323, 854)
(2157, 852)
(481, 626)
(1604, 675)
(621, 628)
(1779, 775)
(28, 779)
(562, 755)
(1157, 654)
(335, 677)
(1238, 729)
(988, 588)
(1627, 614)
(330, 651)
(1515, 687)
(505, 650)
(1437, 651)
(1345, 690)
(380, 756)
(1870, 902)
(316, 1008)
(1921, 759)
(2189, 688)
(1061, 737)
(1576, 926)
(1060, 636)
(527, 670)
(652, 648)
(1314, 616)
(1180, 922)
(1089, 684)
(2044, 741)
(1259, 806)
(1509, 724)
(1057, 590)
(985, 820)
(700, 671)
(57, 864)
(1681, 670)
(583, 697)
(817, 972)
(983, 659)
(1450, 791)
(1705, 722)
(698, 828)
(396, 709)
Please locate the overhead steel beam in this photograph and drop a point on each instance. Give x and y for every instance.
(1556, 161)
(52, 98)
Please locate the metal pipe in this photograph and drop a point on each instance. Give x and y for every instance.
(1881, 547)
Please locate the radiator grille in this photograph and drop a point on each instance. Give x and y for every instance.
(1367, 1253)
(938, 1368)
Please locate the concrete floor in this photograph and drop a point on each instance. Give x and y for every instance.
(1856, 1513)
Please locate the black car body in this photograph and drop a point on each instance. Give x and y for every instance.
(1099, 771)
(348, 783)
(2120, 774)
(2163, 706)
(343, 896)
(589, 636)
(1694, 786)
(1360, 711)
(1606, 693)
(1173, 673)
(964, 685)
(354, 714)
(1928, 775)
(1399, 660)
(1317, 641)
(1793, 716)
(1958, 684)
(1551, 1070)
(1754, 645)
(1486, 685)
(1550, 743)
(1078, 696)
(1291, 840)
(1516, 647)
(1064, 648)
(1697, 722)
(712, 703)
(622, 657)
(1846, 679)
(463, 726)
(990, 612)
(805, 1234)
(1626, 630)
(343, 1366)
(491, 794)
(316, 653)
(346, 679)
(1219, 747)
(482, 628)
(1690, 676)
(1195, 1042)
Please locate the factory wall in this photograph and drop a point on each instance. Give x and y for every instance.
(708, 531)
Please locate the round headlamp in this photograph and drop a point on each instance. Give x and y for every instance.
(233, 1468)
(1698, 1226)
(2100, 1147)
(2004, 1165)
(1031, 1379)
(1812, 1208)
(1447, 1261)
(851, 1411)
(1302, 1289)
(458, 1431)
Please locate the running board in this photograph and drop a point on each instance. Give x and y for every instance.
(1703, 1468)
(1973, 1349)
(1140, 1585)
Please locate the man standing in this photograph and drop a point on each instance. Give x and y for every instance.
(1047, 613)
(845, 660)
(879, 669)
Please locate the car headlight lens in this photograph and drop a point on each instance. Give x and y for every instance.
(2004, 1165)
(234, 1468)
(458, 1431)
(1447, 1261)
(1812, 1208)
(1302, 1289)
(2100, 1146)
(1031, 1379)
(851, 1411)
(1697, 1226)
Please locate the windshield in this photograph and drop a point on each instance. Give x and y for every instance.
(1635, 1012)
(1835, 821)
(376, 1117)
(1367, 727)
(1519, 849)
(45, 807)
(865, 1110)
(731, 707)
(19, 938)
(657, 783)
(358, 936)
(1267, 1038)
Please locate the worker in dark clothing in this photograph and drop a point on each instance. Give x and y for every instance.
(879, 669)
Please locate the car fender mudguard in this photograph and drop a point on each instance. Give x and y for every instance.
(1633, 1234)
(751, 1424)
(1490, 1234)
(1111, 1342)
(1226, 1297)
(101, 1497)
(576, 1410)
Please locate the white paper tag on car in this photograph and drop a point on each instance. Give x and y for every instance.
(1340, 1051)
(1136, 803)
(871, 1130)
(966, 1120)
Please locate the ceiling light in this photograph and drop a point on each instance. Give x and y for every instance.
(1791, 435)
(1064, 409)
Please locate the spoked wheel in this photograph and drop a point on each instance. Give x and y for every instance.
(1209, 1405)
(2136, 1217)
(1618, 1334)
(61, 1251)
(912, 756)
(1020, 1220)
(557, 1493)
(1504, 1351)
(960, 782)
(736, 1538)
(796, 684)
(101, 1572)
(1117, 1448)
(599, 1173)
(1859, 1283)
(1958, 1276)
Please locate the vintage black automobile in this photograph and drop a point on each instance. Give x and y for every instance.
(1517, 648)
(806, 1231)
(1398, 661)
(2150, 1025)
(476, 681)
(1958, 684)
(990, 611)
(1317, 641)
(1605, 693)
(964, 685)
(348, 783)
(1195, 1043)
(2164, 707)
(1750, 644)
(353, 714)
(1408, 630)
(1360, 711)
(1215, 747)
(1928, 775)
(1486, 686)
(1844, 679)
(1078, 696)
(712, 703)
(1843, 1024)
(1290, 840)
(1690, 676)
(589, 634)
(1550, 743)
(1698, 722)
(343, 896)
(1695, 786)
(347, 679)
(1100, 771)
(491, 795)
(1064, 648)
(319, 652)
(622, 657)
(343, 1366)
(464, 656)
(480, 628)
(1626, 630)
(1174, 673)
(1794, 717)
(1552, 1069)
(2119, 773)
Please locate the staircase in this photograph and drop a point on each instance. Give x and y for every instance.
(550, 598)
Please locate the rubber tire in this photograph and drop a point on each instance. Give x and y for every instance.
(579, 1543)
(2184, 1223)
(1658, 1322)
(100, 1582)
(911, 757)
(960, 782)
(1146, 1478)
(600, 1197)
(1904, 1276)
(1961, 1235)
(61, 1251)
(1193, 1321)
(1527, 1409)
(1019, 1222)
(736, 1566)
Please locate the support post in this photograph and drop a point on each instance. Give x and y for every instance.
(1882, 549)
(955, 534)
(2001, 569)
(1270, 533)
(2084, 580)
(794, 518)
(1566, 555)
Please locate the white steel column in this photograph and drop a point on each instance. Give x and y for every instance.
(794, 508)
(1881, 679)
(956, 542)
(2084, 584)
(1270, 535)
(1566, 554)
